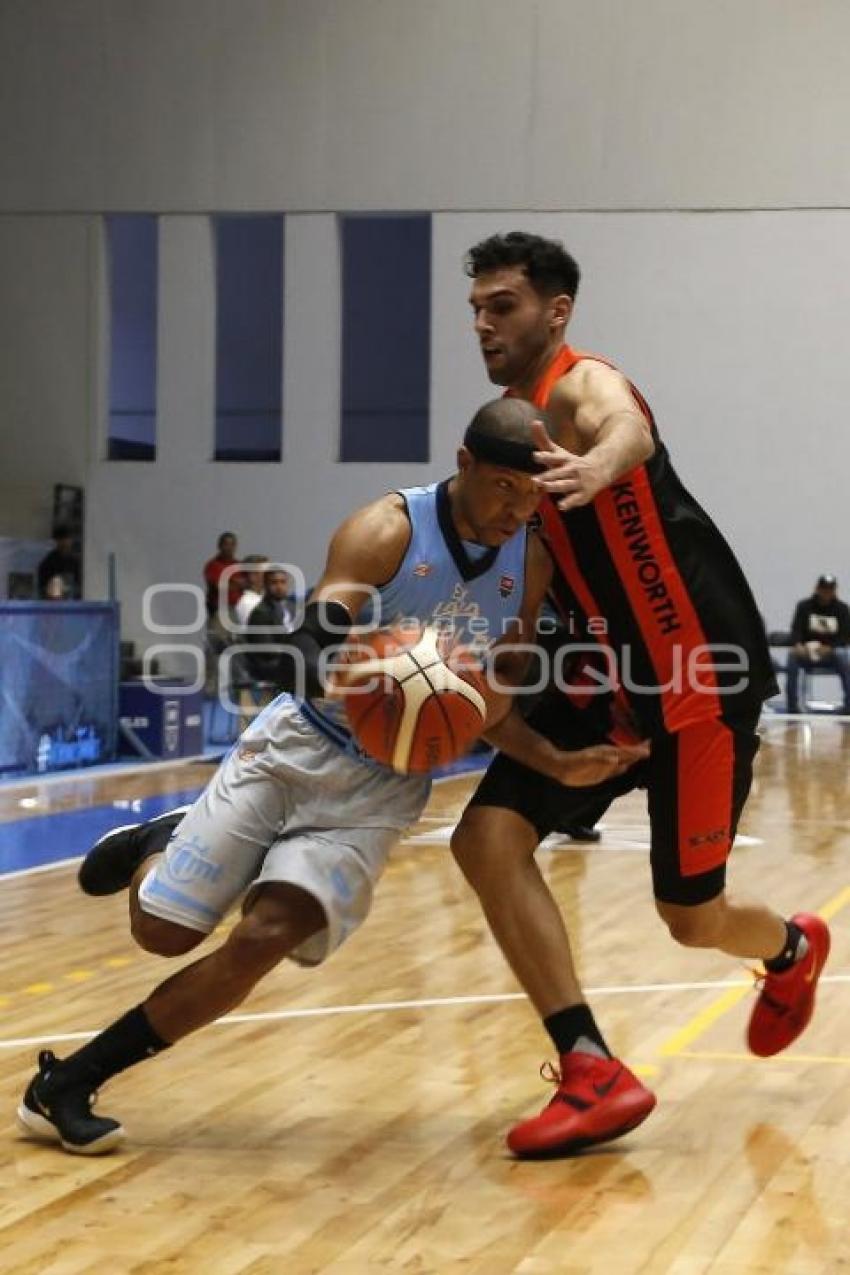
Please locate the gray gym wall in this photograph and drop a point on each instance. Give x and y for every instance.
(692, 153)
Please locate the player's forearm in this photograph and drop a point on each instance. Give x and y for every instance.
(516, 739)
(622, 443)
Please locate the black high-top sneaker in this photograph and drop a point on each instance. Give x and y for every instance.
(57, 1109)
(112, 861)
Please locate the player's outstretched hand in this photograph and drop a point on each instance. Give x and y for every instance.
(588, 766)
(569, 479)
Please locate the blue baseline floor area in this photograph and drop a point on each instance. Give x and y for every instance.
(37, 840)
(14, 778)
(42, 839)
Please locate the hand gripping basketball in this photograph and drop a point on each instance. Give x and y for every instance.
(414, 699)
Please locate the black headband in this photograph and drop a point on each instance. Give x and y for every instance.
(502, 451)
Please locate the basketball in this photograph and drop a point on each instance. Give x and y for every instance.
(415, 699)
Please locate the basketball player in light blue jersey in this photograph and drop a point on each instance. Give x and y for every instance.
(296, 823)
(474, 588)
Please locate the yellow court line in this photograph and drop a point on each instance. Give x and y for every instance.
(829, 910)
(704, 1019)
(720, 1055)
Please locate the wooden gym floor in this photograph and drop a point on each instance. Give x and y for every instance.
(350, 1119)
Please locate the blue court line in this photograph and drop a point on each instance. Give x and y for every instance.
(38, 839)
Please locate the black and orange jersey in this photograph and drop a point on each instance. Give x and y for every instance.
(643, 571)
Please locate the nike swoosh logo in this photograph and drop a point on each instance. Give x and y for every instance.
(607, 1085)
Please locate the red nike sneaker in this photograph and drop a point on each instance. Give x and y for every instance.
(596, 1100)
(787, 1000)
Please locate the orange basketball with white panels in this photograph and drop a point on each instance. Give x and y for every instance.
(419, 697)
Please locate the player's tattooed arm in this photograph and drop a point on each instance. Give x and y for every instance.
(601, 434)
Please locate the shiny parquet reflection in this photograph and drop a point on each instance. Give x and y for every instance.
(366, 1140)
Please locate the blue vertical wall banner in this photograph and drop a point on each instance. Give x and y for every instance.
(58, 684)
(386, 336)
(249, 255)
(133, 256)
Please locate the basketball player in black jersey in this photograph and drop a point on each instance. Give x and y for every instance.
(684, 661)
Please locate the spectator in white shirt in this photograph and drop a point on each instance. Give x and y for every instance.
(255, 587)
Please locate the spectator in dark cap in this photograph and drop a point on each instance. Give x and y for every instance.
(820, 633)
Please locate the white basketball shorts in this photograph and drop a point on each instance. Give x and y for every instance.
(286, 805)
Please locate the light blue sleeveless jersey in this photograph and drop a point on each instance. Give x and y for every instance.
(444, 581)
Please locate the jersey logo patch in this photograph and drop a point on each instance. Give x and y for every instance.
(506, 586)
(422, 569)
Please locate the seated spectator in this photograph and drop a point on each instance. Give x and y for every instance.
(276, 609)
(59, 574)
(254, 586)
(820, 633)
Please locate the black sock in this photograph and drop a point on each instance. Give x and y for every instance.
(576, 1027)
(127, 1041)
(791, 950)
